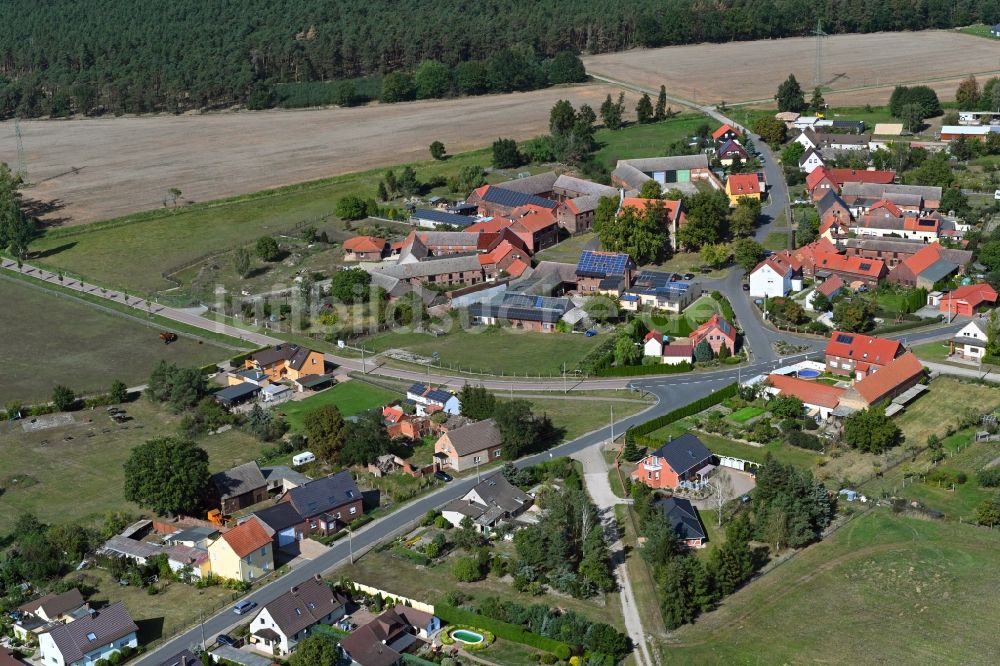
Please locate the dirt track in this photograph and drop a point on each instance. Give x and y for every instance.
(128, 164)
(744, 71)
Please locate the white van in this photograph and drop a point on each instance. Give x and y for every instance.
(996, 195)
(303, 458)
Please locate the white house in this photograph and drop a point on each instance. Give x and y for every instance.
(678, 352)
(808, 139)
(810, 160)
(284, 622)
(772, 277)
(653, 344)
(970, 341)
(426, 397)
(95, 636)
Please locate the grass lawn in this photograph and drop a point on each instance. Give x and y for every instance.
(932, 351)
(568, 251)
(932, 412)
(81, 478)
(686, 262)
(777, 241)
(578, 417)
(978, 29)
(727, 447)
(890, 590)
(176, 606)
(51, 339)
(693, 316)
(351, 398)
(494, 350)
(635, 141)
(745, 414)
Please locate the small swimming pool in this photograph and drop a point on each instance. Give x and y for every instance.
(466, 636)
(808, 374)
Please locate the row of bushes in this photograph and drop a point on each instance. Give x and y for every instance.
(413, 555)
(510, 632)
(693, 408)
(598, 358)
(239, 359)
(488, 637)
(636, 370)
(804, 440)
(906, 325)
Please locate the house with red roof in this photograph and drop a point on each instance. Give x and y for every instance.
(536, 226)
(841, 176)
(682, 460)
(725, 133)
(856, 355)
(743, 185)
(717, 332)
(878, 388)
(852, 270)
(243, 553)
(804, 258)
(968, 299)
(773, 277)
(817, 398)
(829, 288)
(365, 248)
(926, 267)
(504, 259)
(819, 182)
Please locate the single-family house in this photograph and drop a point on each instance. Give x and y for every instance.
(504, 260)
(287, 361)
(968, 299)
(239, 487)
(970, 341)
(489, 503)
(819, 182)
(429, 398)
(811, 161)
(536, 226)
(892, 251)
(730, 151)
(832, 208)
(597, 270)
(42, 614)
(684, 520)
(771, 278)
(244, 553)
(652, 344)
(724, 133)
(284, 622)
(804, 258)
(7, 658)
(740, 185)
(828, 288)
(577, 215)
(717, 332)
(365, 248)
(818, 399)
(327, 504)
(683, 460)
(670, 213)
(471, 445)
(659, 290)
(880, 387)
(860, 196)
(808, 138)
(383, 641)
(840, 176)
(283, 523)
(932, 263)
(850, 269)
(857, 355)
(97, 635)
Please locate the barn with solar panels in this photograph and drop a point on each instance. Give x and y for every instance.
(522, 311)
(429, 400)
(599, 272)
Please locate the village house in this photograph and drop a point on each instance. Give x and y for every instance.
(536, 226)
(94, 636)
(286, 361)
(365, 248)
(804, 258)
(857, 355)
(828, 288)
(681, 461)
(383, 641)
(284, 622)
(429, 399)
(283, 523)
(773, 277)
(503, 198)
(445, 270)
(717, 332)
(239, 487)
(658, 345)
(861, 196)
(970, 341)
(488, 504)
(810, 161)
(740, 185)
(684, 520)
(539, 314)
(818, 399)
(724, 133)
(832, 208)
(730, 151)
(852, 270)
(504, 260)
(968, 299)
(244, 553)
(327, 504)
(469, 446)
(878, 388)
(658, 290)
(672, 213)
(603, 271)
(577, 215)
(930, 264)
(40, 615)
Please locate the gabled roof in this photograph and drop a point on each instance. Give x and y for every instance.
(654, 335)
(279, 517)
(239, 480)
(877, 384)
(808, 153)
(892, 208)
(303, 605)
(723, 130)
(683, 518)
(923, 258)
(511, 199)
(871, 268)
(294, 355)
(475, 437)
(492, 225)
(584, 204)
(731, 146)
(927, 224)
(496, 491)
(743, 183)
(54, 605)
(324, 494)
(532, 218)
(369, 645)
(776, 264)
(841, 176)
(818, 174)
(603, 264)
(830, 286)
(973, 294)
(678, 350)
(584, 187)
(183, 658)
(96, 630)
(247, 537)
(671, 163)
(365, 244)
(683, 453)
(810, 393)
(430, 393)
(860, 347)
(830, 200)
(537, 184)
(716, 322)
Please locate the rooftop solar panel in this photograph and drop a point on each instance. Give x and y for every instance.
(846, 339)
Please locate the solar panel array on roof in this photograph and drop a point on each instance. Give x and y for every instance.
(601, 264)
(512, 199)
(866, 267)
(844, 338)
(442, 217)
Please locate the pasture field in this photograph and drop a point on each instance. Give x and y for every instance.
(883, 589)
(100, 168)
(941, 405)
(858, 69)
(73, 472)
(350, 398)
(51, 339)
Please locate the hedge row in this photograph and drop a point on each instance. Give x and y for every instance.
(693, 408)
(894, 328)
(413, 555)
(510, 632)
(636, 370)
(239, 359)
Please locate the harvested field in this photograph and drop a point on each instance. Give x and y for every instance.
(873, 62)
(108, 167)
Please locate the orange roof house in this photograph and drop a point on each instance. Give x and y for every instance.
(841, 176)
(884, 385)
(857, 355)
(743, 185)
(819, 182)
(966, 299)
(886, 205)
(812, 394)
(717, 332)
(806, 255)
(243, 553)
(365, 248)
(536, 226)
(850, 269)
(490, 226)
(725, 132)
(673, 213)
(287, 361)
(925, 267)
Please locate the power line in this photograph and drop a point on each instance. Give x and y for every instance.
(22, 169)
(818, 72)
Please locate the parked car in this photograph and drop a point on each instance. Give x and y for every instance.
(244, 607)
(746, 287)
(689, 276)
(996, 195)
(442, 476)
(226, 639)
(591, 333)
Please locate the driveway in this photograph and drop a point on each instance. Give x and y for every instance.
(741, 483)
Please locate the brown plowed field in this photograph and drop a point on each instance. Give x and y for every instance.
(125, 165)
(745, 71)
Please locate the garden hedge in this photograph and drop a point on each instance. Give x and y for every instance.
(413, 555)
(636, 370)
(698, 405)
(505, 630)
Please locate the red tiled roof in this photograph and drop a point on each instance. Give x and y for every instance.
(654, 335)
(247, 537)
(743, 183)
(365, 244)
(678, 350)
(716, 322)
(811, 393)
(921, 224)
(517, 268)
(887, 205)
(973, 294)
(814, 178)
(854, 265)
(722, 130)
(877, 384)
(923, 258)
(831, 286)
(492, 226)
(778, 264)
(533, 218)
(841, 176)
(879, 351)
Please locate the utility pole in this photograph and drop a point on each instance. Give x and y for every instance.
(564, 378)
(363, 371)
(478, 479)
(612, 424)
(202, 615)
(818, 73)
(22, 169)
(350, 543)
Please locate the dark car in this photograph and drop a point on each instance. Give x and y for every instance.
(689, 276)
(226, 639)
(442, 476)
(591, 333)
(746, 287)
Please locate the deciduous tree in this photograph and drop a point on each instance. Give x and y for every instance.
(267, 249)
(748, 253)
(437, 150)
(167, 475)
(326, 432)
